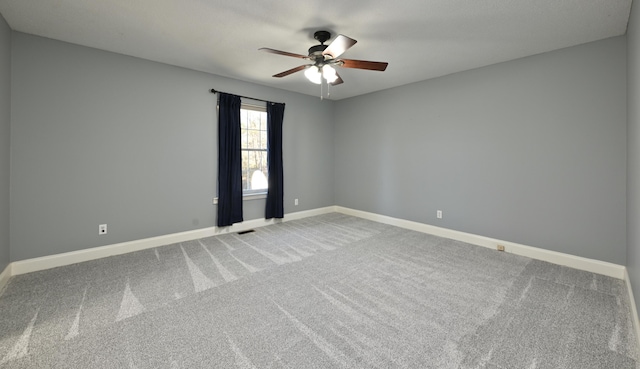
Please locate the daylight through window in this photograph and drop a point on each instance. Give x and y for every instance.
(253, 121)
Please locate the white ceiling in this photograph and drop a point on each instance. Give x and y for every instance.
(420, 39)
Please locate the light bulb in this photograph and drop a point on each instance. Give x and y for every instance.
(329, 73)
(313, 74)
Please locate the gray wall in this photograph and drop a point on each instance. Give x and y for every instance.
(633, 154)
(530, 151)
(5, 124)
(99, 137)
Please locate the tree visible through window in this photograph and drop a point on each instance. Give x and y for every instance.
(253, 122)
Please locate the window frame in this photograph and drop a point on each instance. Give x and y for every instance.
(248, 194)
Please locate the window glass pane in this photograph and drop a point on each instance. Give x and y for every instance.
(243, 119)
(245, 161)
(263, 162)
(262, 125)
(245, 158)
(255, 163)
(252, 162)
(254, 119)
(263, 140)
(244, 139)
(254, 138)
(245, 180)
(251, 168)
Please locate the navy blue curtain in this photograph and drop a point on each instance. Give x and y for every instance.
(275, 194)
(229, 160)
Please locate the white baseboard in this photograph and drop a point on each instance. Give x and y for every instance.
(634, 309)
(4, 277)
(52, 261)
(67, 258)
(576, 262)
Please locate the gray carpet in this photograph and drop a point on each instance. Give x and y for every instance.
(331, 291)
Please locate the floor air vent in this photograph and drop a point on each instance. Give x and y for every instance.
(247, 231)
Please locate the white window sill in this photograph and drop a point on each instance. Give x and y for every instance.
(249, 197)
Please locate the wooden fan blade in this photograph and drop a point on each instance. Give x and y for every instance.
(274, 51)
(363, 64)
(291, 71)
(338, 46)
(337, 81)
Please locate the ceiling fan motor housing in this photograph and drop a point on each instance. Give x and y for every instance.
(315, 52)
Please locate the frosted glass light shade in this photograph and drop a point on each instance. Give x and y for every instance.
(313, 74)
(329, 73)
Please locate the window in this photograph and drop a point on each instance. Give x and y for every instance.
(253, 123)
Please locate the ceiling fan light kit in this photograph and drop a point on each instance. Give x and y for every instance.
(315, 74)
(325, 57)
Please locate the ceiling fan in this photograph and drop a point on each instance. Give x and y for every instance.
(325, 57)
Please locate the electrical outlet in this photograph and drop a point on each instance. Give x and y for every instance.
(500, 247)
(439, 214)
(102, 229)
(295, 202)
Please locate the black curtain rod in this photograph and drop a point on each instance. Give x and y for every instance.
(213, 91)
